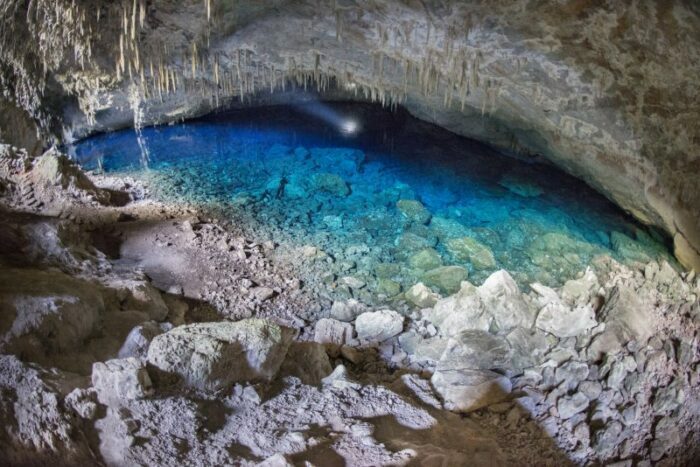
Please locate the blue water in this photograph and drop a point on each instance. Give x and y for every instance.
(268, 169)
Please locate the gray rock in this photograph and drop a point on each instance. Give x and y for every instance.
(413, 210)
(559, 319)
(137, 341)
(420, 348)
(347, 311)
(475, 350)
(332, 331)
(568, 406)
(460, 311)
(468, 249)
(421, 296)
(378, 326)
(529, 347)
(607, 439)
(468, 390)
(213, 356)
(119, 380)
(502, 299)
(571, 373)
(591, 389)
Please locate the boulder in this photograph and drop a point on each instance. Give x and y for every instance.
(421, 296)
(330, 183)
(445, 278)
(558, 318)
(332, 331)
(212, 356)
(475, 350)
(460, 311)
(420, 348)
(529, 347)
(502, 299)
(413, 210)
(378, 326)
(468, 249)
(347, 310)
(425, 259)
(568, 406)
(119, 380)
(468, 390)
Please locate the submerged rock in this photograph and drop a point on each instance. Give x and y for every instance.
(213, 356)
(331, 183)
(421, 296)
(445, 278)
(413, 210)
(468, 249)
(425, 259)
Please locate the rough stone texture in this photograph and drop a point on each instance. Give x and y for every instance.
(377, 326)
(469, 390)
(421, 296)
(121, 379)
(216, 355)
(501, 295)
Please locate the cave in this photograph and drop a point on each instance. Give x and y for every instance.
(363, 233)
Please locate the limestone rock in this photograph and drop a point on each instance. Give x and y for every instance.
(421, 296)
(445, 278)
(347, 310)
(475, 350)
(378, 326)
(469, 390)
(568, 406)
(502, 299)
(121, 380)
(460, 311)
(529, 347)
(332, 331)
(139, 339)
(468, 249)
(557, 318)
(420, 348)
(213, 356)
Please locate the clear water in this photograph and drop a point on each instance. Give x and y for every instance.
(267, 169)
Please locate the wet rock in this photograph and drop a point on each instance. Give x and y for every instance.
(119, 380)
(388, 287)
(413, 210)
(460, 311)
(213, 356)
(421, 296)
(520, 187)
(475, 350)
(468, 390)
(568, 406)
(468, 249)
(425, 259)
(352, 282)
(347, 310)
(331, 331)
(445, 278)
(628, 248)
(378, 326)
(502, 299)
(330, 183)
(409, 241)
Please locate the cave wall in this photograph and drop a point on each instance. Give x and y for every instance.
(606, 90)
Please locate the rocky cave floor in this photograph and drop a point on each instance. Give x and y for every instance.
(141, 333)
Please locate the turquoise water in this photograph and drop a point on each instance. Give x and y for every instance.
(392, 204)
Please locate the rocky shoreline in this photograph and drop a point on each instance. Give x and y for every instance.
(141, 333)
